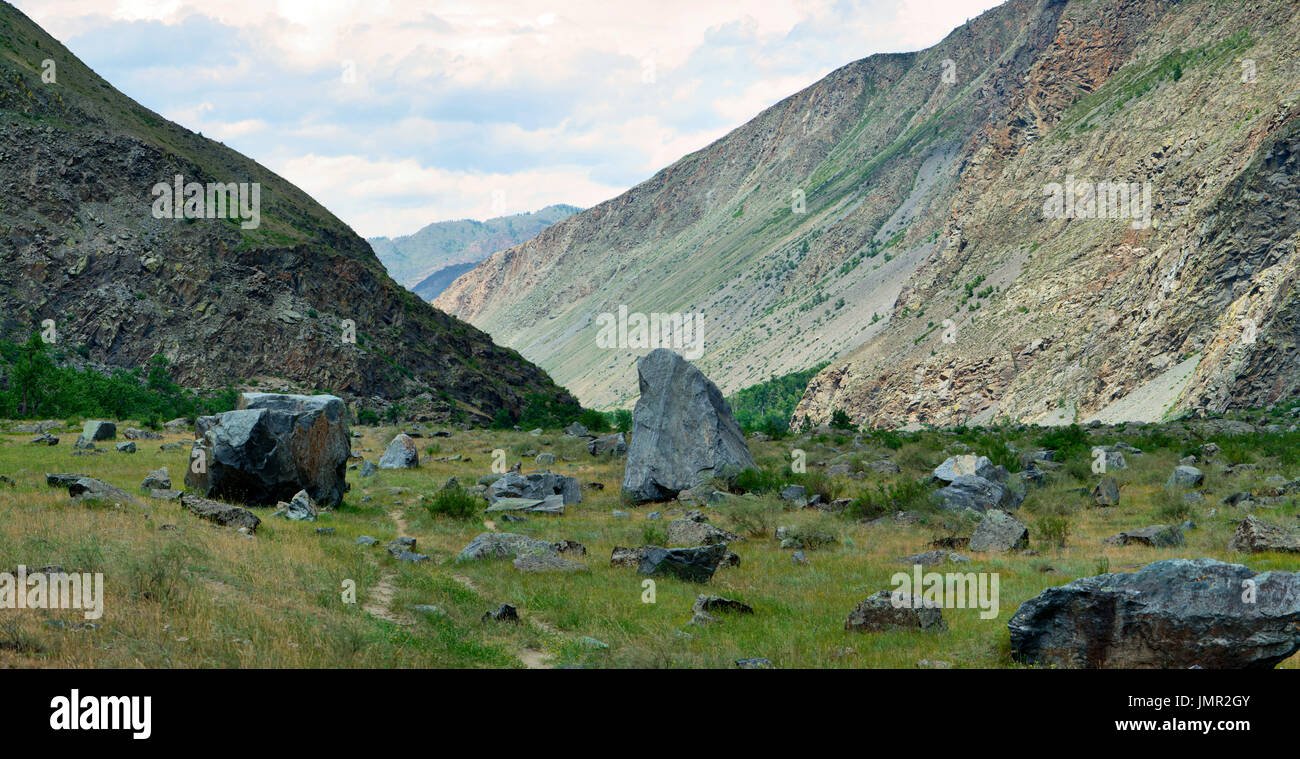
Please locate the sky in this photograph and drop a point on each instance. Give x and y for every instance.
(398, 113)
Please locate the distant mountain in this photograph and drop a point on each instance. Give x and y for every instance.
(1065, 209)
(433, 285)
(85, 249)
(411, 259)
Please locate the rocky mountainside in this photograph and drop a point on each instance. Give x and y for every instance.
(897, 218)
(418, 259)
(226, 301)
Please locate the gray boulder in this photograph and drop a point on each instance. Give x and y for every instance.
(937, 556)
(890, 610)
(301, 508)
(1171, 614)
(271, 447)
(683, 433)
(505, 545)
(1254, 535)
(610, 445)
(537, 486)
(720, 605)
(965, 465)
(157, 479)
(223, 514)
(689, 532)
(970, 491)
(1106, 493)
(998, 532)
(44, 438)
(689, 564)
(401, 453)
(84, 488)
(1155, 536)
(95, 429)
(1185, 477)
(532, 563)
(126, 447)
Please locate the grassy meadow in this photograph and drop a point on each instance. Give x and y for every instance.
(181, 592)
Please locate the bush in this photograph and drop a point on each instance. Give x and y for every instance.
(455, 502)
(841, 421)
(758, 481)
(594, 420)
(1053, 529)
(752, 516)
(367, 417)
(1066, 441)
(905, 495)
(769, 405)
(622, 420)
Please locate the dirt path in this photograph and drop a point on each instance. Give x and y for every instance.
(531, 657)
(381, 597)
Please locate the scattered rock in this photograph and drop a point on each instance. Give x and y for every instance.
(126, 447)
(690, 532)
(505, 545)
(610, 445)
(1254, 535)
(1106, 493)
(94, 430)
(157, 479)
(930, 558)
(690, 564)
(301, 508)
(1155, 536)
(533, 563)
(503, 613)
(754, 663)
(1185, 477)
(720, 605)
(223, 514)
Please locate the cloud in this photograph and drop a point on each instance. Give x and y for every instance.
(395, 114)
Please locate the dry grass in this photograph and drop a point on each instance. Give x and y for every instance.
(203, 596)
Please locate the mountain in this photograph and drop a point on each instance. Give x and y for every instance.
(415, 259)
(224, 299)
(432, 286)
(898, 219)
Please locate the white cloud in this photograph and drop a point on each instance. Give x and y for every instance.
(455, 98)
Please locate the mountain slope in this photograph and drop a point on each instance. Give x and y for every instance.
(81, 247)
(925, 265)
(432, 286)
(413, 259)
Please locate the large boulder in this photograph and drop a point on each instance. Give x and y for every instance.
(1170, 614)
(683, 433)
(536, 486)
(1185, 477)
(690, 564)
(271, 447)
(1254, 535)
(971, 491)
(999, 532)
(401, 453)
(84, 488)
(967, 464)
(98, 430)
(505, 545)
(610, 445)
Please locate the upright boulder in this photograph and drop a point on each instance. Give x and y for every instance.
(95, 429)
(401, 453)
(271, 447)
(683, 433)
(998, 532)
(1171, 614)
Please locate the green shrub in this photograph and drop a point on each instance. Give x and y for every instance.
(752, 516)
(758, 481)
(768, 406)
(904, 495)
(1066, 441)
(840, 421)
(455, 502)
(367, 417)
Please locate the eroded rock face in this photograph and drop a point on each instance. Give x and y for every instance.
(271, 447)
(1174, 614)
(683, 433)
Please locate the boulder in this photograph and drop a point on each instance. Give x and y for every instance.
(720, 605)
(965, 465)
(157, 479)
(223, 514)
(1185, 477)
(179, 424)
(998, 532)
(1254, 535)
(301, 508)
(44, 438)
(126, 447)
(401, 453)
(132, 433)
(937, 556)
(610, 445)
(94, 430)
(1106, 493)
(689, 532)
(1171, 614)
(628, 557)
(271, 447)
(683, 433)
(90, 489)
(893, 610)
(505, 545)
(544, 459)
(537, 486)
(690, 564)
(577, 430)
(795, 495)
(1155, 536)
(532, 563)
(970, 491)
(503, 613)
